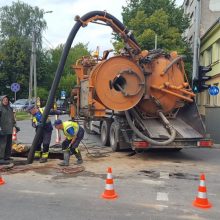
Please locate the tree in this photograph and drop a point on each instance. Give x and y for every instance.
(68, 79)
(162, 18)
(21, 20)
(14, 56)
(17, 23)
(75, 53)
(176, 17)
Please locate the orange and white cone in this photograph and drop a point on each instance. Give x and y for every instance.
(14, 134)
(2, 181)
(201, 200)
(109, 192)
(58, 137)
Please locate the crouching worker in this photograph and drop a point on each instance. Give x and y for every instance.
(74, 133)
(37, 114)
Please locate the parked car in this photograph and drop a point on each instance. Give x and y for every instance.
(21, 104)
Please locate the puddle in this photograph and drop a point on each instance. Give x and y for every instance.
(184, 176)
(151, 173)
(177, 175)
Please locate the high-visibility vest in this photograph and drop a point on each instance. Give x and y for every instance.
(67, 125)
(36, 120)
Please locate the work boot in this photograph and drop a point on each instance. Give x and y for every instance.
(44, 157)
(78, 162)
(37, 155)
(66, 159)
(79, 158)
(4, 162)
(43, 160)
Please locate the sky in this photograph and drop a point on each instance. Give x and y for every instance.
(61, 20)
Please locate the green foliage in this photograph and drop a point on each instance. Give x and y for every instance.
(67, 83)
(175, 14)
(42, 93)
(21, 20)
(75, 53)
(14, 55)
(45, 73)
(162, 18)
(68, 79)
(22, 116)
(17, 23)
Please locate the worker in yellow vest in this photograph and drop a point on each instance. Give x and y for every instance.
(74, 133)
(37, 114)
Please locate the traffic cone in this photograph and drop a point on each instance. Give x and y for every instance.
(14, 134)
(109, 192)
(1, 181)
(58, 136)
(201, 200)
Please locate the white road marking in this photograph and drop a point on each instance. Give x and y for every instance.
(164, 175)
(155, 206)
(152, 182)
(36, 192)
(161, 207)
(161, 196)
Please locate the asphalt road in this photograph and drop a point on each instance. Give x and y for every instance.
(151, 185)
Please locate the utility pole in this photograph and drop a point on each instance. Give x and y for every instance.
(31, 70)
(155, 42)
(34, 68)
(196, 41)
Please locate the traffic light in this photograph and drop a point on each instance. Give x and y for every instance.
(199, 84)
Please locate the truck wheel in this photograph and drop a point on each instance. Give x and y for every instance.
(114, 136)
(105, 129)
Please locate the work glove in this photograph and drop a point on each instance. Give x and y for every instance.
(34, 125)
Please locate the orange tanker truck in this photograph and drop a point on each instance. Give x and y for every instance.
(138, 99)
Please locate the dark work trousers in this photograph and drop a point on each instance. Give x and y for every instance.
(5, 146)
(45, 139)
(79, 137)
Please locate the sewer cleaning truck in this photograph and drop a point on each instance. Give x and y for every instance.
(137, 99)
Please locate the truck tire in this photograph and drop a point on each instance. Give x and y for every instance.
(114, 136)
(105, 130)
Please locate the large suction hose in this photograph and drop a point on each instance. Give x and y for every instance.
(142, 136)
(60, 68)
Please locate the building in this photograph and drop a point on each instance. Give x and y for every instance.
(210, 12)
(204, 36)
(210, 56)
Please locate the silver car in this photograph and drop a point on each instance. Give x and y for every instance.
(21, 104)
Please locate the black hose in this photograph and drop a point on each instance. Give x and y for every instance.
(60, 68)
(144, 137)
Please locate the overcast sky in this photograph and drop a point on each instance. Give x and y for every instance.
(61, 20)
